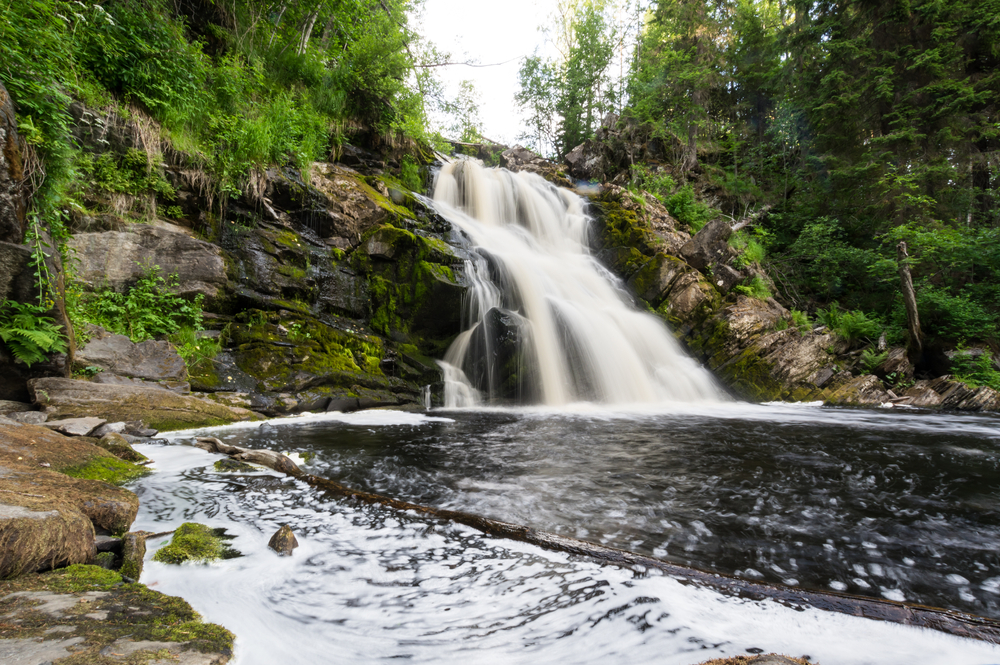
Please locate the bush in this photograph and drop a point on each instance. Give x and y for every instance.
(872, 359)
(854, 326)
(755, 288)
(975, 370)
(801, 321)
(197, 352)
(149, 309)
(687, 210)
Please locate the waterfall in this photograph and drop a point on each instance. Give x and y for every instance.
(545, 322)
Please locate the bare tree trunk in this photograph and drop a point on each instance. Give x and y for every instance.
(698, 99)
(307, 32)
(915, 346)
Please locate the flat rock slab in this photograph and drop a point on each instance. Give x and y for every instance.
(8, 406)
(29, 417)
(75, 426)
(157, 408)
(93, 615)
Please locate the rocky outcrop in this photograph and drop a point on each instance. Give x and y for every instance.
(15, 278)
(522, 159)
(157, 407)
(119, 258)
(708, 245)
(13, 204)
(118, 355)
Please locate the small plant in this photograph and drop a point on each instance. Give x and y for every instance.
(149, 309)
(801, 321)
(853, 326)
(781, 324)
(687, 210)
(750, 248)
(872, 359)
(898, 380)
(89, 371)
(28, 333)
(197, 352)
(658, 184)
(756, 288)
(297, 332)
(975, 369)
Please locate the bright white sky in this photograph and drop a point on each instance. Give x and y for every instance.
(488, 32)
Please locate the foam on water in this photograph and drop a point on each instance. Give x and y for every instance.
(368, 584)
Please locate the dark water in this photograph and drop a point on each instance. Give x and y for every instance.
(898, 505)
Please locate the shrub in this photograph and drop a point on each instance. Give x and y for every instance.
(755, 288)
(197, 352)
(687, 210)
(975, 370)
(801, 321)
(149, 309)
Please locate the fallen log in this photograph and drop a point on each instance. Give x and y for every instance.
(953, 622)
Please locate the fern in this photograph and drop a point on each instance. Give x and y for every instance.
(30, 335)
(872, 359)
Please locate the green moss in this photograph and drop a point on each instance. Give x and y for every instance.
(109, 469)
(228, 465)
(750, 376)
(194, 542)
(81, 577)
(289, 239)
(383, 202)
(292, 271)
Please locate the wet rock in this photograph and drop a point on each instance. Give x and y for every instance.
(13, 201)
(349, 207)
(75, 426)
(133, 553)
(283, 541)
(119, 258)
(725, 277)
(118, 355)
(40, 538)
(654, 279)
(897, 363)
(108, 544)
(159, 408)
(108, 428)
(858, 391)
(228, 465)
(708, 245)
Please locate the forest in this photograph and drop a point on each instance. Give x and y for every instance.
(828, 131)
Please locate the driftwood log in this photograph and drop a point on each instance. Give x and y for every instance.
(948, 621)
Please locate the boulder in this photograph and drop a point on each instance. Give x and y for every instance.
(118, 355)
(522, 159)
(586, 161)
(133, 554)
(29, 417)
(864, 390)
(75, 426)
(655, 278)
(897, 363)
(157, 407)
(283, 541)
(13, 200)
(41, 537)
(118, 258)
(725, 277)
(708, 245)
(348, 206)
(11, 406)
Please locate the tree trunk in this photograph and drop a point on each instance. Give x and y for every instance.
(915, 346)
(307, 32)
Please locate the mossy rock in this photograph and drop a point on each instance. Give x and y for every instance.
(228, 465)
(103, 613)
(196, 542)
(107, 469)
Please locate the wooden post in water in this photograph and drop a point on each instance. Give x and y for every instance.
(915, 346)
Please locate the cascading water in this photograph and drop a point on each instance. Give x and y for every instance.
(546, 323)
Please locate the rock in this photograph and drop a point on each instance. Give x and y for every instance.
(40, 538)
(655, 278)
(858, 391)
(13, 199)
(708, 245)
(179, 387)
(29, 417)
(283, 541)
(522, 159)
(725, 277)
(690, 298)
(117, 445)
(75, 426)
(922, 395)
(8, 406)
(108, 544)
(108, 621)
(108, 428)
(133, 554)
(586, 161)
(159, 408)
(118, 355)
(16, 280)
(195, 542)
(118, 258)
(897, 363)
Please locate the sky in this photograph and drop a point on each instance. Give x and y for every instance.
(488, 32)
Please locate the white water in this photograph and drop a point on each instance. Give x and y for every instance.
(370, 584)
(579, 336)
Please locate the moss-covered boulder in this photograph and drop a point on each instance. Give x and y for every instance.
(84, 613)
(196, 543)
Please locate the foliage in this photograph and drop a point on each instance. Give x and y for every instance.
(975, 369)
(28, 333)
(197, 352)
(854, 326)
(659, 184)
(801, 321)
(688, 210)
(872, 359)
(147, 310)
(755, 288)
(751, 250)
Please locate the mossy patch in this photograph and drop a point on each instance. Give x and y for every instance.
(108, 469)
(196, 542)
(117, 611)
(228, 465)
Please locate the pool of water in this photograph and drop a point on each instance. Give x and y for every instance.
(885, 504)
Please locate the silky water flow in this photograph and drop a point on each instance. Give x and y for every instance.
(545, 322)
